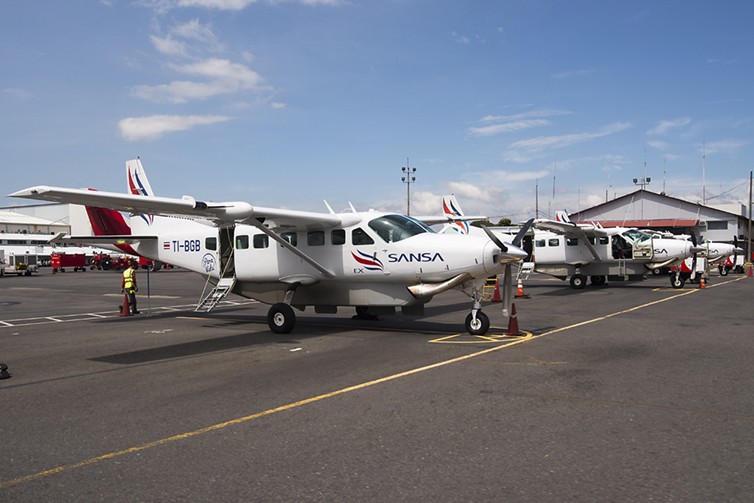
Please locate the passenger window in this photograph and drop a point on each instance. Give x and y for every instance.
(338, 237)
(604, 240)
(360, 237)
(315, 238)
(210, 243)
(572, 241)
(261, 241)
(539, 243)
(553, 242)
(242, 242)
(291, 237)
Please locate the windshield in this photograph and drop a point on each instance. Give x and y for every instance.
(393, 228)
(636, 236)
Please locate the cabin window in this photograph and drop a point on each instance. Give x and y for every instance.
(338, 237)
(572, 241)
(210, 243)
(242, 242)
(360, 237)
(315, 238)
(553, 242)
(291, 237)
(261, 241)
(539, 243)
(603, 240)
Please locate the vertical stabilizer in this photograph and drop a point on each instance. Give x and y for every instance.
(562, 216)
(452, 210)
(138, 183)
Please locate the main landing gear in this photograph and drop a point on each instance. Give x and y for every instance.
(280, 318)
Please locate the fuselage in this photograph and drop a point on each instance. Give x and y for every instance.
(371, 261)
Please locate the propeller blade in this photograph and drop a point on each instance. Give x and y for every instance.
(521, 233)
(693, 238)
(506, 291)
(495, 239)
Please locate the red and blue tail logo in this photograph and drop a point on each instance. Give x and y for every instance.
(451, 210)
(137, 188)
(370, 262)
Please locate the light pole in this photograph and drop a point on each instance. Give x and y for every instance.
(408, 179)
(643, 182)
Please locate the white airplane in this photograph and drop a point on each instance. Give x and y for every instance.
(564, 249)
(374, 261)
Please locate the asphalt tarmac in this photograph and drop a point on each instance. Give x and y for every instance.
(629, 392)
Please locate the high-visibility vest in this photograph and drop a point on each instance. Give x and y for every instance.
(128, 279)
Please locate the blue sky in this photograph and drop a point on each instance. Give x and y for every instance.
(291, 102)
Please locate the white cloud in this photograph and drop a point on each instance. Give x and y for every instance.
(507, 127)
(663, 127)
(541, 143)
(17, 92)
(154, 126)
(723, 146)
(223, 77)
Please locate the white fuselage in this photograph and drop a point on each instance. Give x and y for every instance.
(367, 270)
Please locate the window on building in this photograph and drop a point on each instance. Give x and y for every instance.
(717, 225)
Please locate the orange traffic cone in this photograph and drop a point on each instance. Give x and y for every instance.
(125, 310)
(496, 293)
(701, 283)
(520, 289)
(750, 268)
(513, 322)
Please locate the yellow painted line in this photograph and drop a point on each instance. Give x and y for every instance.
(481, 339)
(300, 403)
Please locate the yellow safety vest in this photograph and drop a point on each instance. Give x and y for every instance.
(128, 279)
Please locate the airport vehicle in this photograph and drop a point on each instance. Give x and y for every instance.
(75, 261)
(22, 264)
(373, 261)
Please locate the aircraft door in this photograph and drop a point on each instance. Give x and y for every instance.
(621, 248)
(227, 261)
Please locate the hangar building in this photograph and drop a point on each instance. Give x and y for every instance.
(645, 209)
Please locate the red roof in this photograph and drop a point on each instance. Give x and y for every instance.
(660, 222)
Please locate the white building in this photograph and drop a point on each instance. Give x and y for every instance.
(649, 210)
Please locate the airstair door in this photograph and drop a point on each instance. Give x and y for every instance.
(227, 272)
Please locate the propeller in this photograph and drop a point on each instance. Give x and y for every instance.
(693, 260)
(506, 289)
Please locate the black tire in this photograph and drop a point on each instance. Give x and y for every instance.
(480, 327)
(676, 281)
(578, 281)
(281, 318)
(598, 280)
(724, 271)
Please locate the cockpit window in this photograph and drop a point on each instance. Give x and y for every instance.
(636, 236)
(393, 228)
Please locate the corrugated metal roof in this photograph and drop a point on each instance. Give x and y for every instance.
(660, 222)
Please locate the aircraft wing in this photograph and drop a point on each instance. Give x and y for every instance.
(187, 206)
(570, 229)
(109, 239)
(447, 219)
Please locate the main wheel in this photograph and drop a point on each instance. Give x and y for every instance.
(578, 281)
(598, 280)
(723, 271)
(281, 318)
(478, 326)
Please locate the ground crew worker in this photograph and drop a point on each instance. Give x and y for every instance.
(128, 285)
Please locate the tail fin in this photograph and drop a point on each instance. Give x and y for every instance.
(138, 183)
(562, 216)
(451, 209)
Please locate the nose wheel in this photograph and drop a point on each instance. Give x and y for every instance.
(477, 323)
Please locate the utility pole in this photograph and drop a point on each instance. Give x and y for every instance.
(408, 179)
(748, 249)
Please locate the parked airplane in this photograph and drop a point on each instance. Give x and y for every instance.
(374, 261)
(564, 249)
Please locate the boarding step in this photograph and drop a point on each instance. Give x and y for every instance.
(525, 270)
(218, 293)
